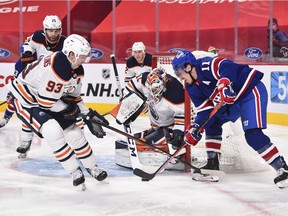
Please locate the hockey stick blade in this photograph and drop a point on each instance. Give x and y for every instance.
(143, 174)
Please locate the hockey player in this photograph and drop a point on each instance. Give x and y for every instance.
(37, 94)
(209, 80)
(42, 42)
(139, 62)
(166, 114)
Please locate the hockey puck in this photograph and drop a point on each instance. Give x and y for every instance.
(144, 179)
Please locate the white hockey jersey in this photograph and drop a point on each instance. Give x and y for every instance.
(133, 68)
(45, 81)
(38, 43)
(169, 110)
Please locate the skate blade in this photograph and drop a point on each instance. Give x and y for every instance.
(282, 184)
(205, 177)
(104, 182)
(83, 187)
(22, 155)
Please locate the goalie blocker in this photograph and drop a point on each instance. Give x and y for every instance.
(129, 108)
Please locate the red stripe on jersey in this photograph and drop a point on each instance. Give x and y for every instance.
(246, 84)
(258, 107)
(273, 152)
(215, 67)
(213, 145)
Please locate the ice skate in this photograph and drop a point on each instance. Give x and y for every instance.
(282, 177)
(212, 164)
(97, 173)
(78, 178)
(23, 149)
(4, 121)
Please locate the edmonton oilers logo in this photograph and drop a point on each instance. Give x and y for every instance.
(96, 53)
(253, 53)
(4, 53)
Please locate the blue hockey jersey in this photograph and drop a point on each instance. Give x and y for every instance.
(204, 92)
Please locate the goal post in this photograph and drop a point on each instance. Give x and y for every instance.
(164, 59)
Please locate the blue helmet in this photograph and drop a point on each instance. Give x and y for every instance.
(182, 58)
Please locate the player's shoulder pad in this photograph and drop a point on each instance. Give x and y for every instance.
(174, 91)
(79, 71)
(131, 62)
(144, 77)
(39, 36)
(148, 59)
(62, 67)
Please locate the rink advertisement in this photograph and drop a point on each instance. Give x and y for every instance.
(100, 90)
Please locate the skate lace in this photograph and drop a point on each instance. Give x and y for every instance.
(25, 144)
(77, 174)
(281, 171)
(95, 171)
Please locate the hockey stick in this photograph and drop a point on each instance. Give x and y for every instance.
(134, 157)
(147, 176)
(3, 103)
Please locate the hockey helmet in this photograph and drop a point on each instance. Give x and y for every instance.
(182, 58)
(138, 46)
(155, 82)
(52, 22)
(78, 45)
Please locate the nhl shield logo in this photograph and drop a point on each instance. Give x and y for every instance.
(106, 73)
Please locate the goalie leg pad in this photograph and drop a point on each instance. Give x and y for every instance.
(147, 157)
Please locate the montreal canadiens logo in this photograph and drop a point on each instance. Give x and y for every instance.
(4, 2)
(175, 49)
(253, 53)
(4, 53)
(96, 53)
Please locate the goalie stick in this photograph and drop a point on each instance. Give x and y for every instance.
(134, 157)
(148, 176)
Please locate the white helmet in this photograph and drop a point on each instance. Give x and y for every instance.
(137, 46)
(52, 22)
(78, 45)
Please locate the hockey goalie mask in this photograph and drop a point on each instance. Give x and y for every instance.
(79, 46)
(155, 82)
(52, 28)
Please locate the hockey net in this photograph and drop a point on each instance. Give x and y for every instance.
(236, 155)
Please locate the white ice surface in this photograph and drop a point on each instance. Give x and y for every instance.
(39, 186)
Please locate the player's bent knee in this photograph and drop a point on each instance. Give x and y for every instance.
(53, 133)
(256, 138)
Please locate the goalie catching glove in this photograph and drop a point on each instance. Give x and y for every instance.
(94, 120)
(193, 135)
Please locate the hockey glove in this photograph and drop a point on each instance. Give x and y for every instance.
(27, 58)
(226, 92)
(176, 140)
(92, 120)
(193, 135)
(72, 111)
